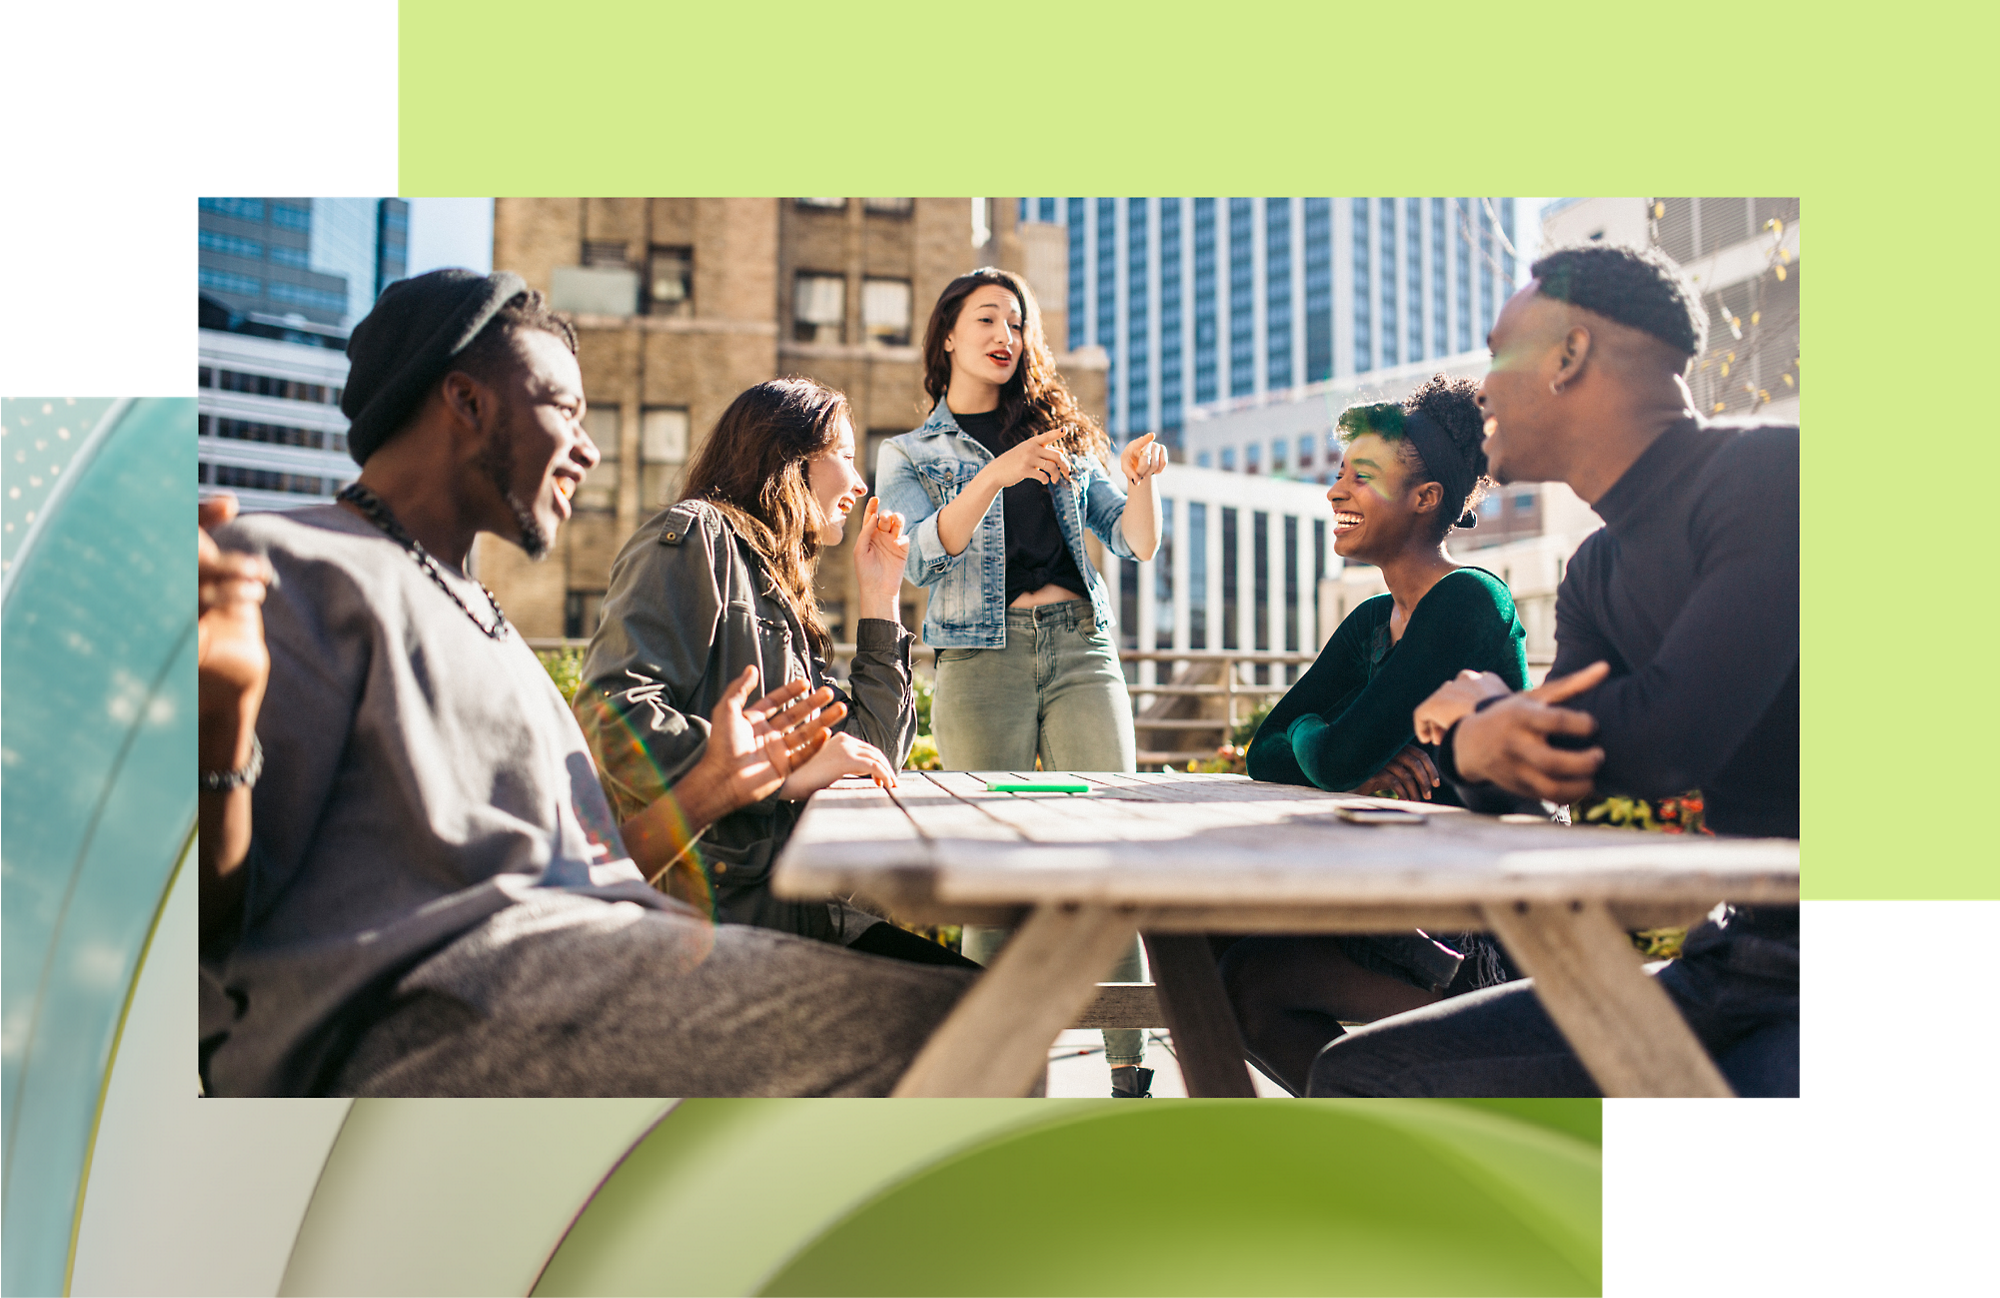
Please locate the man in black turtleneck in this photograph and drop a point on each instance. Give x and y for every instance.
(1677, 628)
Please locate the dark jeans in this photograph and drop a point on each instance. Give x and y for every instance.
(1738, 989)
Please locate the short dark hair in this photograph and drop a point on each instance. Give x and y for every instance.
(524, 311)
(1639, 288)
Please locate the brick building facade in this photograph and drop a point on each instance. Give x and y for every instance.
(681, 303)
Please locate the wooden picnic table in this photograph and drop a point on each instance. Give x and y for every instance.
(1175, 857)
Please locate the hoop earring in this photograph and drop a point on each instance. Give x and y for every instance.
(1555, 388)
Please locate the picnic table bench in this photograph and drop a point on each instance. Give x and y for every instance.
(1175, 857)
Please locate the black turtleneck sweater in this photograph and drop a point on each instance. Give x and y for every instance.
(1691, 592)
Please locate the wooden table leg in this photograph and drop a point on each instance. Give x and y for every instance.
(1621, 1023)
(1207, 1042)
(996, 1041)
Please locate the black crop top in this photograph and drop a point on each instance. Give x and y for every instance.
(1037, 555)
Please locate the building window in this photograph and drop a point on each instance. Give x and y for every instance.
(1107, 295)
(1413, 257)
(1386, 261)
(230, 245)
(1231, 634)
(1319, 288)
(885, 312)
(1197, 595)
(1305, 450)
(1163, 580)
(1128, 606)
(1229, 459)
(1251, 455)
(1078, 332)
(1464, 246)
(1170, 319)
(1204, 459)
(296, 258)
(242, 209)
(1524, 500)
(1278, 292)
(824, 204)
(582, 611)
(294, 484)
(300, 295)
(599, 491)
(1292, 599)
(889, 206)
(1485, 270)
(1048, 212)
(1260, 587)
(266, 385)
(1364, 340)
(1507, 230)
(663, 446)
(819, 307)
(287, 217)
(247, 430)
(1242, 302)
(1204, 302)
(1138, 357)
(604, 252)
(222, 281)
(670, 281)
(1278, 456)
(1440, 278)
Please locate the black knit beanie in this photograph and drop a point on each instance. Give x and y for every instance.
(406, 343)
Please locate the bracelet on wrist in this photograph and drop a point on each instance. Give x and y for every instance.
(242, 777)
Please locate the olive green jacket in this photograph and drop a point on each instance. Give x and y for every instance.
(689, 606)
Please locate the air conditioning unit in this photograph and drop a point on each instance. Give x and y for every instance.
(595, 290)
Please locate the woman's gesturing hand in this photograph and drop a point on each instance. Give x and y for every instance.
(1410, 775)
(880, 550)
(1039, 458)
(840, 756)
(1142, 458)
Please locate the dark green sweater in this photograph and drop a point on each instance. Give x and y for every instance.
(1350, 713)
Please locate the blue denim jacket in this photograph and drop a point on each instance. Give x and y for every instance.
(917, 473)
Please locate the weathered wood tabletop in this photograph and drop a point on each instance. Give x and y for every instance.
(1178, 856)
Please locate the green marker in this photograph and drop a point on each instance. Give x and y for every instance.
(1033, 786)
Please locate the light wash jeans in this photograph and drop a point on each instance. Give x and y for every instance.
(1055, 691)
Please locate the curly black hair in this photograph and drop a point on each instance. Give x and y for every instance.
(524, 311)
(1642, 288)
(1453, 405)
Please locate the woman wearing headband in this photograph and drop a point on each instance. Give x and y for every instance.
(1411, 472)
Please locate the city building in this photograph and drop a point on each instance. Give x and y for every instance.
(269, 425)
(681, 303)
(1199, 301)
(282, 282)
(323, 260)
(1743, 256)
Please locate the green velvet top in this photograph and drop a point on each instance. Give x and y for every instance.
(1350, 713)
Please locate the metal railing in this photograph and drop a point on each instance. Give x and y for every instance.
(1234, 685)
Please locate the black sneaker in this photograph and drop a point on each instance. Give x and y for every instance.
(1131, 1082)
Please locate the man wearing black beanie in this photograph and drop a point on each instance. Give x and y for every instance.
(411, 881)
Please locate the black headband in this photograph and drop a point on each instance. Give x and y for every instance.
(1443, 461)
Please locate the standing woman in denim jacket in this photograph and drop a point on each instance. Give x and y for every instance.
(999, 485)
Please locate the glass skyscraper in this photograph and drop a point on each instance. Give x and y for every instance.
(323, 259)
(1201, 300)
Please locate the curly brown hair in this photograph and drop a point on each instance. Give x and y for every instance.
(753, 468)
(1035, 399)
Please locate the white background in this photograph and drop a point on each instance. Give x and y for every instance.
(119, 115)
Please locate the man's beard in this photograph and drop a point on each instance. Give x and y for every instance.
(497, 463)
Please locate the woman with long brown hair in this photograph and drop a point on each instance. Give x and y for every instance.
(721, 582)
(1000, 484)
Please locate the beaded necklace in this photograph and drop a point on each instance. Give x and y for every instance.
(376, 512)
